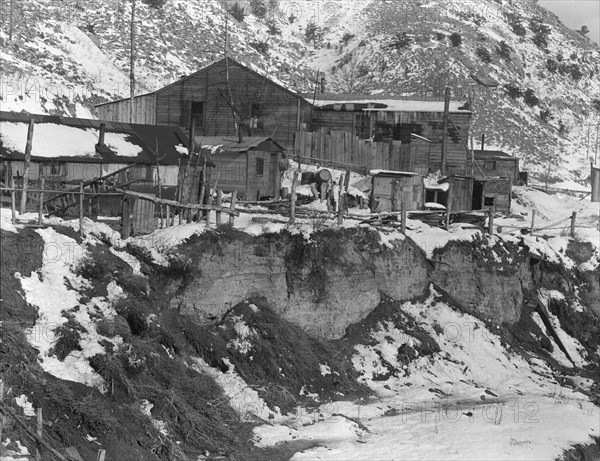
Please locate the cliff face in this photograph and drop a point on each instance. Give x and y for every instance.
(336, 279)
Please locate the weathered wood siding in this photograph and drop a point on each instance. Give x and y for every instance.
(388, 192)
(508, 168)
(280, 110)
(144, 110)
(239, 172)
(499, 189)
(387, 127)
(460, 194)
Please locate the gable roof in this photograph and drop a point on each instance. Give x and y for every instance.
(75, 139)
(221, 144)
(206, 67)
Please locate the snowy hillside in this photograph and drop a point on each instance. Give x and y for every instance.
(533, 82)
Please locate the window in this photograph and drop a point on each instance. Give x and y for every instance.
(489, 165)
(197, 112)
(54, 169)
(260, 166)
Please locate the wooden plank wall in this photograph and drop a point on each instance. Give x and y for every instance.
(144, 110)
(342, 147)
(280, 112)
(504, 168)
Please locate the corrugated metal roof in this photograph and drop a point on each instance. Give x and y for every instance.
(147, 137)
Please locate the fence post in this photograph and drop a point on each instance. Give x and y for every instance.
(293, 199)
(41, 204)
(340, 210)
(125, 218)
(403, 217)
(219, 201)
(101, 455)
(532, 222)
(40, 425)
(81, 208)
(233, 200)
(1, 402)
(491, 221)
(573, 219)
(13, 200)
(168, 216)
(28, 147)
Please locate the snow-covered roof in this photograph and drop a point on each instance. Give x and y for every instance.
(76, 139)
(219, 144)
(379, 103)
(396, 105)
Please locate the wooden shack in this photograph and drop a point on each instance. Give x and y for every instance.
(250, 166)
(492, 193)
(494, 164)
(391, 188)
(416, 124)
(459, 194)
(263, 106)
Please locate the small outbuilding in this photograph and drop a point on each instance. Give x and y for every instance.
(459, 193)
(494, 164)
(391, 188)
(492, 193)
(250, 166)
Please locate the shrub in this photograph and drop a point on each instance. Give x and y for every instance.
(272, 28)
(484, 54)
(540, 33)
(116, 326)
(90, 269)
(440, 37)
(552, 65)
(312, 33)
(400, 41)
(518, 29)
(455, 39)
(530, 98)
(575, 71)
(69, 335)
(258, 8)
(513, 91)
(504, 50)
(261, 47)
(346, 38)
(292, 18)
(238, 13)
(545, 115)
(157, 4)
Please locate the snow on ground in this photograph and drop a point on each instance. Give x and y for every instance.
(473, 400)
(55, 290)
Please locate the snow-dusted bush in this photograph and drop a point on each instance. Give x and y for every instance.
(484, 54)
(456, 39)
(530, 98)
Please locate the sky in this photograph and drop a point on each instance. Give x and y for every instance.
(576, 13)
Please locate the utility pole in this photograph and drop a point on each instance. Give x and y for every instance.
(132, 62)
(10, 23)
(445, 134)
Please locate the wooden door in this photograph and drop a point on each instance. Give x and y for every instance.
(144, 221)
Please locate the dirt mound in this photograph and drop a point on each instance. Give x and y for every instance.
(273, 356)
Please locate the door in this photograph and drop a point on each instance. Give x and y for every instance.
(477, 203)
(143, 217)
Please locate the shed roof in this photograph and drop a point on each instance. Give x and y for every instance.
(221, 144)
(493, 154)
(75, 139)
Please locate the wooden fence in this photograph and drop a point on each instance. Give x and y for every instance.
(342, 148)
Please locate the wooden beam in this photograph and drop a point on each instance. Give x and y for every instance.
(28, 147)
(445, 132)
